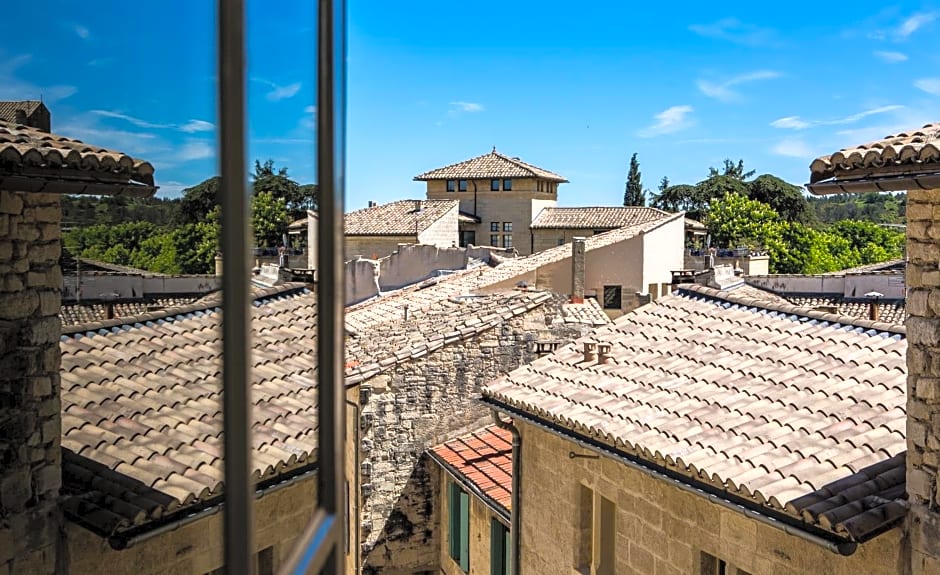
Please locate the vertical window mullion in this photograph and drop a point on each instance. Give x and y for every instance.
(236, 311)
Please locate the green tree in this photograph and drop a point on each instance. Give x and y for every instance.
(633, 194)
(785, 198)
(199, 200)
(734, 220)
(298, 198)
(731, 170)
(269, 218)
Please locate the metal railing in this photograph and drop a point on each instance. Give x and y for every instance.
(321, 547)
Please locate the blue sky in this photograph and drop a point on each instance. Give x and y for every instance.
(573, 90)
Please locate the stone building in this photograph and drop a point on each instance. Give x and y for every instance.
(909, 161)
(378, 230)
(29, 113)
(711, 433)
(556, 226)
(35, 168)
(499, 197)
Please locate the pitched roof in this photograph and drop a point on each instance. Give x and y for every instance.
(81, 313)
(889, 311)
(606, 217)
(481, 460)
(891, 266)
(766, 403)
(910, 152)
(401, 218)
(28, 152)
(491, 165)
(8, 108)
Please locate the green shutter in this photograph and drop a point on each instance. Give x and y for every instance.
(507, 556)
(464, 529)
(453, 510)
(499, 549)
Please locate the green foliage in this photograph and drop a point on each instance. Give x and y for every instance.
(269, 218)
(785, 198)
(680, 198)
(736, 221)
(199, 200)
(633, 194)
(873, 207)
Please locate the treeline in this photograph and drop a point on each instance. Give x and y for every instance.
(180, 236)
(766, 214)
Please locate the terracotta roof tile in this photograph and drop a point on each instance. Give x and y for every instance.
(913, 151)
(401, 218)
(482, 459)
(607, 218)
(79, 313)
(22, 147)
(492, 165)
(756, 398)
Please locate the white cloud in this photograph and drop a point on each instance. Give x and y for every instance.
(171, 189)
(14, 88)
(914, 23)
(135, 121)
(670, 120)
(793, 148)
(723, 90)
(733, 30)
(309, 119)
(929, 85)
(81, 31)
(193, 126)
(466, 107)
(279, 92)
(196, 150)
(797, 123)
(890, 57)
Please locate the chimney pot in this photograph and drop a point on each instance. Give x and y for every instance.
(603, 353)
(589, 351)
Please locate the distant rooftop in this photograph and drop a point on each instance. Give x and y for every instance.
(481, 460)
(603, 217)
(491, 165)
(401, 218)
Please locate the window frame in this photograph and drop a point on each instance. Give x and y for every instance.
(458, 525)
(494, 240)
(462, 185)
(507, 241)
(494, 227)
(500, 548)
(507, 227)
(451, 186)
(619, 291)
(507, 184)
(494, 185)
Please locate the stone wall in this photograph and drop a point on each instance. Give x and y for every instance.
(418, 262)
(543, 239)
(373, 247)
(30, 426)
(661, 529)
(418, 404)
(443, 232)
(923, 383)
(480, 535)
(280, 517)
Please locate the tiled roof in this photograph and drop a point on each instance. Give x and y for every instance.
(914, 151)
(143, 400)
(23, 148)
(492, 165)
(482, 459)
(889, 312)
(80, 313)
(595, 218)
(767, 403)
(694, 224)
(890, 266)
(401, 218)
(8, 108)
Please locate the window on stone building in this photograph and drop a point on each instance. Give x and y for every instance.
(507, 185)
(494, 226)
(613, 297)
(494, 240)
(597, 533)
(499, 549)
(494, 185)
(507, 226)
(507, 240)
(561, 241)
(458, 504)
(451, 185)
(468, 237)
(462, 185)
(711, 565)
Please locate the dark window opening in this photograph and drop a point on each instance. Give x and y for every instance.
(462, 185)
(468, 238)
(499, 549)
(494, 226)
(451, 185)
(494, 185)
(613, 297)
(494, 240)
(507, 226)
(507, 185)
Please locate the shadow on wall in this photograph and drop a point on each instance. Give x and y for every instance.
(410, 540)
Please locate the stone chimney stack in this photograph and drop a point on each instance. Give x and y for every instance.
(577, 270)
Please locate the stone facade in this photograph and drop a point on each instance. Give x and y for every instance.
(374, 247)
(659, 529)
(443, 232)
(543, 239)
(923, 390)
(30, 424)
(280, 517)
(420, 403)
(481, 518)
(517, 207)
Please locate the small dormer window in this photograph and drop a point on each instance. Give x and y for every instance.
(462, 185)
(451, 185)
(507, 185)
(494, 185)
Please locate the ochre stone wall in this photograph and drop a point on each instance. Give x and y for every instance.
(543, 239)
(417, 405)
(923, 381)
(197, 548)
(661, 529)
(30, 425)
(374, 247)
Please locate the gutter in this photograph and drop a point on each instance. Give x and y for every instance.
(515, 527)
(839, 547)
(488, 501)
(878, 184)
(120, 541)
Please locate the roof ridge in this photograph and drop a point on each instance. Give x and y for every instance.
(713, 293)
(210, 301)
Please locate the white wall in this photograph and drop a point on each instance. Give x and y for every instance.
(663, 252)
(94, 286)
(850, 286)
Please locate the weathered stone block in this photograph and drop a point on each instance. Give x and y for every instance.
(10, 203)
(15, 489)
(928, 388)
(18, 305)
(42, 330)
(923, 331)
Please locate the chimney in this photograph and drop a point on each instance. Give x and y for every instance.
(109, 310)
(577, 270)
(20, 117)
(372, 204)
(603, 353)
(874, 310)
(589, 348)
(218, 265)
(417, 205)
